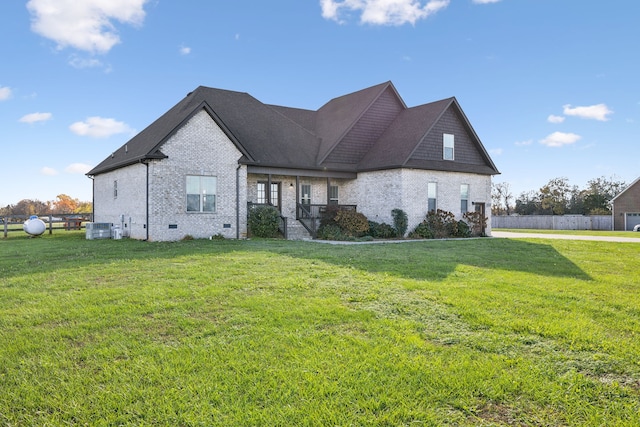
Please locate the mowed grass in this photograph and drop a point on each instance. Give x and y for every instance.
(478, 332)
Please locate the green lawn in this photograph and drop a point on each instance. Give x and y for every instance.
(489, 332)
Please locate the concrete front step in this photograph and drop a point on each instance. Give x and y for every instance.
(296, 231)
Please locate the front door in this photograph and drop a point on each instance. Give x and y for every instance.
(271, 197)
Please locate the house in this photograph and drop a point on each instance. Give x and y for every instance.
(198, 168)
(625, 207)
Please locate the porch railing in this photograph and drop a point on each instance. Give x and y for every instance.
(309, 215)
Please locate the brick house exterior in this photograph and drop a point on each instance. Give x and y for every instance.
(197, 168)
(626, 207)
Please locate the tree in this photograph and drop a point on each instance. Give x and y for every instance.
(29, 207)
(554, 196)
(528, 203)
(501, 198)
(600, 192)
(65, 204)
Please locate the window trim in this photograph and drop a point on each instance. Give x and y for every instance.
(334, 199)
(464, 198)
(431, 185)
(448, 143)
(203, 196)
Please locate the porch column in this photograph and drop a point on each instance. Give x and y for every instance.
(328, 190)
(297, 194)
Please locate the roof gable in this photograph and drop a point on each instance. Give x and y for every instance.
(338, 116)
(632, 185)
(365, 130)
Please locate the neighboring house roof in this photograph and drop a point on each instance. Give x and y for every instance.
(637, 181)
(366, 130)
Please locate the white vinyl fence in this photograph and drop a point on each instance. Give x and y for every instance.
(553, 222)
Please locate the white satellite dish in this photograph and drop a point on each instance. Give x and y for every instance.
(34, 226)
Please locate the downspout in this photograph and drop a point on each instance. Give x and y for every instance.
(238, 201)
(93, 198)
(147, 204)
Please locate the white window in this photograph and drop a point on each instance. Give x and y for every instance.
(333, 195)
(305, 194)
(464, 198)
(432, 191)
(201, 193)
(273, 197)
(115, 189)
(448, 146)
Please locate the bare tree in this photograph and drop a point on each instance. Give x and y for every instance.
(501, 198)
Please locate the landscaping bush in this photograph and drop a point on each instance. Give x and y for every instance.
(476, 222)
(330, 232)
(381, 230)
(400, 222)
(463, 229)
(328, 217)
(439, 225)
(422, 231)
(352, 223)
(263, 221)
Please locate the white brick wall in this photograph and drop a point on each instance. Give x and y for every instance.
(129, 203)
(198, 148)
(377, 193)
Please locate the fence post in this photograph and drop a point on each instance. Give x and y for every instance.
(4, 221)
(50, 224)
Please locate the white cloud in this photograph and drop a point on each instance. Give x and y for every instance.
(555, 119)
(47, 171)
(99, 127)
(382, 12)
(35, 117)
(523, 143)
(558, 139)
(77, 168)
(86, 24)
(5, 93)
(185, 50)
(595, 112)
(78, 62)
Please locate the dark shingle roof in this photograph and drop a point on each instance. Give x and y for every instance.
(276, 136)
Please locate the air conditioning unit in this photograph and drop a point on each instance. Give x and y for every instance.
(98, 230)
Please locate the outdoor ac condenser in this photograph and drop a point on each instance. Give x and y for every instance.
(98, 230)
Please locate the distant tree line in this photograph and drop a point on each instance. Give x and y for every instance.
(62, 204)
(557, 197)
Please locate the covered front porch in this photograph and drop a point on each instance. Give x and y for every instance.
(301, 196)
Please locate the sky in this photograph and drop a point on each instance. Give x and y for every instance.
(551, 87)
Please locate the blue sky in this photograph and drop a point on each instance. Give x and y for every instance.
(550, 86)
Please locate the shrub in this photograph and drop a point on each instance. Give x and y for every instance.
(263, 221)
(328, 217)
(381, 230)
(330, 232)
(352, 223)
(400, 221)
(442, 223)
(439, 225)
(422, 231)
(476, 222)
(463, 229)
